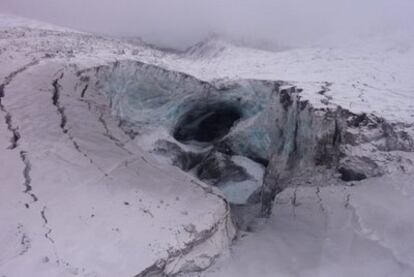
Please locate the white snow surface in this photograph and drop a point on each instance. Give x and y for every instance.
(111, 209)
(77, 196)
(371, 75)
(364, 230)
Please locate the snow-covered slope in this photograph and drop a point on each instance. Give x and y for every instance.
(78, 197)
(364, 230)
(322, 229)
(370, 75)
(85, 192)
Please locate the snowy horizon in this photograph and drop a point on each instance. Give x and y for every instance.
(181, 23)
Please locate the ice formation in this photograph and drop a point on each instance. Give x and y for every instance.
(207, 124)
(121, 159)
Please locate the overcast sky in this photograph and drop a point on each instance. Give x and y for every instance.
(183, 22)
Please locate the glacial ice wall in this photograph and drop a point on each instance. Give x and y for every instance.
(149, 97)
(296, 143)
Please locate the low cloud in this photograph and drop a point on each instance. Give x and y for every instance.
(180, 23)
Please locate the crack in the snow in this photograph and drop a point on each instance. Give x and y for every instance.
(200, 237)
(158, 268)
(14, 130)
(322, 208)
(15, 133)
(77, 147)
(347, 201)
(84, 90)
(46, 225)
(25, 241)
(8, 117)
(63, 121)
(324, 89)
(318, 196)
(8, 120)
(57, 104)
(109, 135)
(365, 233)
(26, 175)
(84, 79)
(293, 200)
(9, 78)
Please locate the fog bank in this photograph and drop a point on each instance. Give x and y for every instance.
(180, 23)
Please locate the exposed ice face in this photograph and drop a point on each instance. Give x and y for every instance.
(151, 96)
(240, 192)
(206, 123)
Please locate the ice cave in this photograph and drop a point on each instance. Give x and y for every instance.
(207, 123)
(249, 138)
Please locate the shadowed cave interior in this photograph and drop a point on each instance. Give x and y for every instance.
(203, 128)
(207, 123)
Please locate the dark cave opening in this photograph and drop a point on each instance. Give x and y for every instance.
(207, 123)
(348, 174)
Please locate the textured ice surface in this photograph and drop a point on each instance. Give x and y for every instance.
(239, 192)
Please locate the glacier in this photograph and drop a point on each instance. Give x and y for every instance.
(121, 159)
